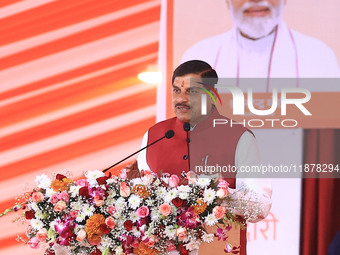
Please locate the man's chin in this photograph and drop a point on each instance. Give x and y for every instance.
(257, 28)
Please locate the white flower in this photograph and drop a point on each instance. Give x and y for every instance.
(34, 206)
(208, 238)
(76, 205)
(80, 217)
(170, 232)
(110, 181)
(165, 179)
(49, 192)
(170, 195)
(92, 177)
(88, 210)
(74, 190)
(183, 195)
(120, 204)
(106, 241)
(161, 192)
(116, 215)
(39, 215)
(157, 182)
(155, 214)
(133, 217)
(203, 181)
(134, 201)
(210, 219)
(43, 181)
(147, 179)
(184, 188)
(135, 232)
(192, 245)
(209, 195)
(149, 202)
(112, 193)
(53, 223)
(136, 181)
(37, 224)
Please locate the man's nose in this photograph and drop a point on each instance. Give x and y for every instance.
(183, 97)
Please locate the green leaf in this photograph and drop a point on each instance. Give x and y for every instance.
(106, 251)
(51, 234)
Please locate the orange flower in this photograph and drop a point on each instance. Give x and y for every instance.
(92, 228)
(145, 250)
(61, 185)
(141, 190)
(200, 207)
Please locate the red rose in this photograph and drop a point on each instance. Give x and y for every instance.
(128, 225)
(29, 214)
(49, 251)
(84, 191)
(96, 252)
(60, 177)
(104, 229)
(182, 250)
(102, 180)
(177, 202)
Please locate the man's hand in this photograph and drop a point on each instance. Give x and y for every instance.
(132, 170)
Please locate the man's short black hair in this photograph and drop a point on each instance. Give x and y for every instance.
(197, 67)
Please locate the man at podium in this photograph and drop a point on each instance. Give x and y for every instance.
(200, 143)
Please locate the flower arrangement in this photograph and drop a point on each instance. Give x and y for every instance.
(113, 215)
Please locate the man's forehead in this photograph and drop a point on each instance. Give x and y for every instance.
(187, 80)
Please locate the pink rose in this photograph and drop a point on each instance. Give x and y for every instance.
(222, 192)
(150, 242)
(110, 222)
(147, 172)
(165, 209)
(82, 183)
(64, 196)
(181, 233)
(34, 243)
(170, 246)
(223, 184)
(81, 235)
(190, 178)
(54, 198)
(135, 243)
(143, 212)
(219, 211)
(111, 210)
(124, 189)
(60, 206)
(37, 197)
(74, 214)
(98, 201)
(41, 235)
(173, 181)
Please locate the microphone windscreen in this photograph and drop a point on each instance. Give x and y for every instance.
(186, 126)
(169, 134)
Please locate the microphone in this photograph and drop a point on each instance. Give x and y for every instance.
(168, 134)
(186, 127)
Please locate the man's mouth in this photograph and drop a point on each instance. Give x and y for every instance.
(257, 11)
(183, 108)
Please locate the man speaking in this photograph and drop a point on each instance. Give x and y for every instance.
(223, 145)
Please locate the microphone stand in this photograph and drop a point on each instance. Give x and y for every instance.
(168, 135)
(186, 127)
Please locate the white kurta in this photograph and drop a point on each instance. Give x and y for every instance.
(312, 58)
